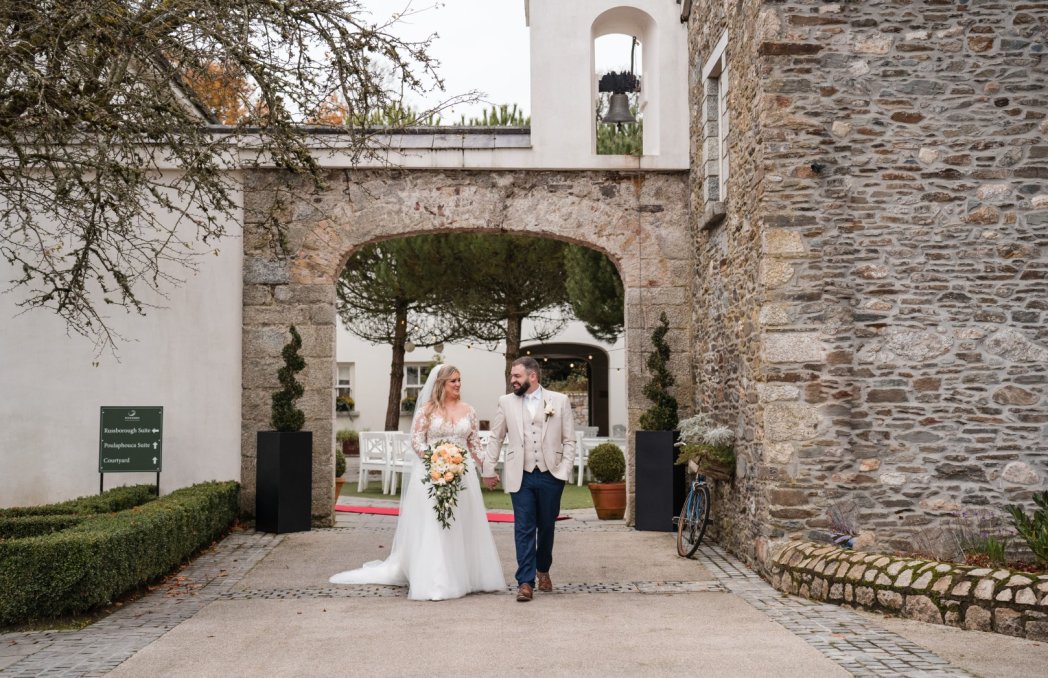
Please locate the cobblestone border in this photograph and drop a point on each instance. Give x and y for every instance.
(982, 599)
(101, 647)
(839, 634)
(375, 591)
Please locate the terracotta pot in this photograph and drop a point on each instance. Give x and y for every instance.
(339, 482)
(609, 499)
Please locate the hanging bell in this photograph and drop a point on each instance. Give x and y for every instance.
(618, 110)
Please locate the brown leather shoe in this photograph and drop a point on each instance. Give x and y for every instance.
(545, 584)
(524, 593)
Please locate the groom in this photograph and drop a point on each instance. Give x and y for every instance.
(539, 460)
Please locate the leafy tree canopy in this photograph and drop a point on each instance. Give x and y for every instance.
(595, 292)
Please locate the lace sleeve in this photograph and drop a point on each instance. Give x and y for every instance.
(473, 439)
(419, 434)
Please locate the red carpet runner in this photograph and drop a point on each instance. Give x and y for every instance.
(394, 511)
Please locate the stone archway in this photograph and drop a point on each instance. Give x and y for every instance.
(639, 219)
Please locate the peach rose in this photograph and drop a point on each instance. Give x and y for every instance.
(434, 475)
(449, 476)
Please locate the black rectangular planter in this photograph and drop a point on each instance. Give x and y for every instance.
(284, 481)
(660, 486)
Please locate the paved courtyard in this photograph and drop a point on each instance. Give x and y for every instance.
(624, 604)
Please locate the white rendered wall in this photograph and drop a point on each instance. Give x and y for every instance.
(185, 357)
(563, 92)
(482, 376)
(564, 85)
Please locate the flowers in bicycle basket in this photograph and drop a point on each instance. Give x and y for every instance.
(705, 444)
(445, 468)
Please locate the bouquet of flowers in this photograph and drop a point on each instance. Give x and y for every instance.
(445, 468)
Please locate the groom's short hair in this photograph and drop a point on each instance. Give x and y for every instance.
(530, 365)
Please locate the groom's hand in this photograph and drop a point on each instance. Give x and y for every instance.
(491, 482)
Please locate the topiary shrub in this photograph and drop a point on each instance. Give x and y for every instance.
(286, 417)
(662, 415)
(607, 463)
(340, 462)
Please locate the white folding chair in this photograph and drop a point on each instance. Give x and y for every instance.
(399, 461)
(372, 457)
(587, 431)
(580, 457)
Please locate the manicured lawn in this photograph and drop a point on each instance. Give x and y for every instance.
(575, 497)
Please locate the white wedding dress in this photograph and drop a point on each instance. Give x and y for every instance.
(437, 563)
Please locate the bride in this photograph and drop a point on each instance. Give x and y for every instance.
(437, 563)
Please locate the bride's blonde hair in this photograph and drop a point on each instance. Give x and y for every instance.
(436, 399)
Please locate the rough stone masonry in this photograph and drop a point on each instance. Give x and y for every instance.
(870, 314)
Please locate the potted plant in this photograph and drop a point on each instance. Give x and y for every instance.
(349, 441)
(607, 463)
(407, 405)
(284, 461)
(340, 470)
(345, 403)
(659, 482)
(710, 447)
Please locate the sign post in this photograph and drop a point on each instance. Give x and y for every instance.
(130, 440)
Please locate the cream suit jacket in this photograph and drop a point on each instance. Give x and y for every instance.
(557, 444)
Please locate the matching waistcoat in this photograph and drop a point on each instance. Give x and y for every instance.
(533, 440)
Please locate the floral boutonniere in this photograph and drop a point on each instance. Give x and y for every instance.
(548, 408)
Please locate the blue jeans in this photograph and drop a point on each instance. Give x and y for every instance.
(535, 508)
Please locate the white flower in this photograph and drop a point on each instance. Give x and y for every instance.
(548, 408)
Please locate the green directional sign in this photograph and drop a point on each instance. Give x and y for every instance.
(131, 439)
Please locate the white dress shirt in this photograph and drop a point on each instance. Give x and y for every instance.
(533, 400)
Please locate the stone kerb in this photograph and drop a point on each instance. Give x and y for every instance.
(982, 599)
(638, 219)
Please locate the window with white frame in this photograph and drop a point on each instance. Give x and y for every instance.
(715, 125)
(414, 379)
(344, 388)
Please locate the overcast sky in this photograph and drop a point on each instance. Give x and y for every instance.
(482, 45)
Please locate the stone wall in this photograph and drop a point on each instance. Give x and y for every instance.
(638, 219)
(980, 599)
(728, 273)
(870, 312)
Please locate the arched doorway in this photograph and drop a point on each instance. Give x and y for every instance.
(639, 219)
(596, 360)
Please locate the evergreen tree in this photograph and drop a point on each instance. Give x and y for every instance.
(396, 291)
(285, 416)
(504, 280)
(595, 292)
(662, 415)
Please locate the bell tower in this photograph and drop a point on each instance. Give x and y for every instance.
(564, 81)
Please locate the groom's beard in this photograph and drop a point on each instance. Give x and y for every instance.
(520, 390)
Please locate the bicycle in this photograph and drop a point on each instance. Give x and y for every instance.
(693, 518)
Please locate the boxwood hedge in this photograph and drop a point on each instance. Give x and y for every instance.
(30, 521)
(105, 555)
(116, 499)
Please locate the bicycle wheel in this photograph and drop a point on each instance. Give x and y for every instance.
(691, 525)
